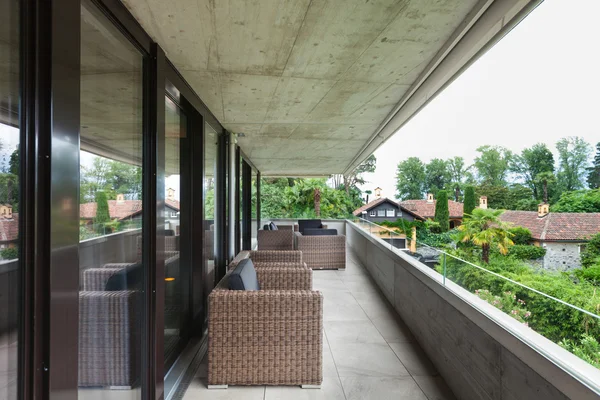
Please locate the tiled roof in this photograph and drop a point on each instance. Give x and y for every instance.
(120, 210)
(555, 226)
(371, 204)
(425, 209)
(9, 228)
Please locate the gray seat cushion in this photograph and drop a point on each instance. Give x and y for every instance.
(320, 232)
(304, 224)
(243, 277)
(273, 227)
(129, 278)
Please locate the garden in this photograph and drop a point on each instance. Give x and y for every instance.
(485, 240)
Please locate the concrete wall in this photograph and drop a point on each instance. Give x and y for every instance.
(481, 352)
(562, 256)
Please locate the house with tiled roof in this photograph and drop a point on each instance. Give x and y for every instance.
(383, 209)
(131, 210)
(9, 227)
(425, 209)
(563, 235)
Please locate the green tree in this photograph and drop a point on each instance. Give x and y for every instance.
(593, 178)
(485, 229)
(470, 202)
(459, 174)
(493, 165)
(9, 253)
(530, 163)
(545, 180)
(442, 214)
(437, 176)
(580, 201)
(355, 178)
(410, 179)
(13, 163)
(573, 155)
(102, 214)
(112, 177)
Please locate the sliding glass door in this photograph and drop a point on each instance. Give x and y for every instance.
(10, 138)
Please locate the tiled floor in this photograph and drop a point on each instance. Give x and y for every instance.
(368, 353)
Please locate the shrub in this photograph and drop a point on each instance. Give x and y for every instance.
(523, 252)
(588, 349)
(590, 255)
(520, 235)
(433, 226)
(469, 204)
(10, 253)
(508, 303)
(549, 318)
(442, 214)
(102, 214)
(591, 274)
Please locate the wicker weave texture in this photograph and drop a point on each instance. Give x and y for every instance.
(265, 337)
(276, 240)
(94, 279)
(292, 256)
(109, 338)
(323, 252)
(284, 277)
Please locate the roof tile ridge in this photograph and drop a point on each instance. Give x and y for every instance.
(546, 225)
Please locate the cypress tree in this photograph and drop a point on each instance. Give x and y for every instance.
(442, 214)
(469, 204)
(102, 215)
(593, 178)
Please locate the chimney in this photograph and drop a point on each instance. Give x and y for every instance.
(378, 192)
(170, 194)
(430, 197)
(120, 198)
(543, 209)
(483, 202)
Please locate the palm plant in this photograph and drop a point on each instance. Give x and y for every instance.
(485, 229)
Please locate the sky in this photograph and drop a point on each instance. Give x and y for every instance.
(540, 83)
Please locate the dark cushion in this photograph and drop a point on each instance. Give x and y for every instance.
(320, 232)
(309, 224)
(273, 226)
(266, 227)
(243, 277)
(128, 278)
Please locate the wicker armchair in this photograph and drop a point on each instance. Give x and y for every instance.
(268, 256)
(266, 337)
(109, 338)
(276, 240)
(323, 252)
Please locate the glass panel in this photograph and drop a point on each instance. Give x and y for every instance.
(9, 198)
(177, 273)
(112, 275)
(253, 213)
(210, 238)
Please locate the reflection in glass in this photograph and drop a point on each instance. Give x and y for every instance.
(9, 198)
(110, 251)
(209, 192)
(176, 274)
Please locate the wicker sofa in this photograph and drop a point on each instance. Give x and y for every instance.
(322, 252)
(265, 257)
(272, 336)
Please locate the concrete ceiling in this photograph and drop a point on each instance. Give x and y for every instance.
(307, 82)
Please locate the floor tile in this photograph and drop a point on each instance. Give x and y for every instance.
(353, 332)
(366, 359)
(343, 312)
(414, 359)
(339, 297)
(329, 368)
(393, 330)
(434, 387)
(196, 392)
(359, 388)
(330, 389)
